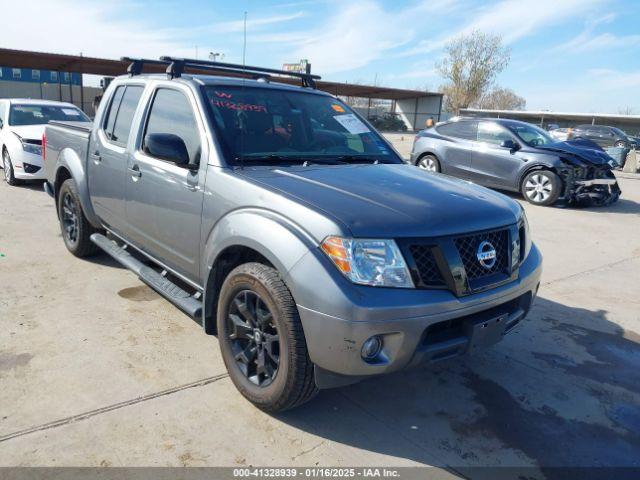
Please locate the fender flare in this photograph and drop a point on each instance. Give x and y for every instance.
(530, 168)
(282, 242)
(69, 160)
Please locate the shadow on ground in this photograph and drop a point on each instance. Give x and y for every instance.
(562, 390)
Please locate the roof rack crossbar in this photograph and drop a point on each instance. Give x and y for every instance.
(136, 65)
(308, 80)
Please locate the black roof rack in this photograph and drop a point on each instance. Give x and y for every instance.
(135, 68)
(176, 66)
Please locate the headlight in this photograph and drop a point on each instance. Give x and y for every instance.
(369, 262)
(525, 235)
(32, 148)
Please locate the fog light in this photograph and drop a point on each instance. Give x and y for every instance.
(371, 347)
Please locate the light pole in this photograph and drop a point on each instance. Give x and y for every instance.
(215, 55)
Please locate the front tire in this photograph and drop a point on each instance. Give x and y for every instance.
(9, 175)
(541, 187)
(74, 226)
(429, 163)
(262, 341)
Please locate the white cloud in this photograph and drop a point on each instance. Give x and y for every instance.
(616, 79)
(253, 24)
(360, 32)
(95, 29)
(514, 20)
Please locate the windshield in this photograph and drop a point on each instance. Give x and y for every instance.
(39, 114)
(532, 135)
(274, 126)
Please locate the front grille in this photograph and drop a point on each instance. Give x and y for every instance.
(468, 248)
(426, 264)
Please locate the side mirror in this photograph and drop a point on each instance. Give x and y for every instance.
(510, 144)
(167, 146)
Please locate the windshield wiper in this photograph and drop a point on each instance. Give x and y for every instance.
(363, 158)
(323, 161)
(272, 158)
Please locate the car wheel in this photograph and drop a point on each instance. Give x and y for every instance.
(76, 229)
(620, 144)
(9, 175)
(262, 341)
(541, 187)
(429, 163)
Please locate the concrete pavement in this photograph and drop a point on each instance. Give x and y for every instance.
(96, 369)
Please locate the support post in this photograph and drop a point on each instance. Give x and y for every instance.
(81, 86)
(70, 88)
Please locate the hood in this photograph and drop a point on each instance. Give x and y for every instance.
(29, 132)
(579, 152)
(390, 201)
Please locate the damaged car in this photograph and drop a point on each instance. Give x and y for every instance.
(520, 157)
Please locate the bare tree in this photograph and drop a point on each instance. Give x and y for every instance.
(470, 66)
(501, 99)
(626, 111)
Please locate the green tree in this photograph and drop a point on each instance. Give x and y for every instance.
(501, 99)
(471, 65)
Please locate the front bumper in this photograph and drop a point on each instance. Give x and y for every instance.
(27, 166)
(416, 326)
(589, 186)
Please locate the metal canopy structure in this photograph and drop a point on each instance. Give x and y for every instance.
(107, 67)
(564, 119)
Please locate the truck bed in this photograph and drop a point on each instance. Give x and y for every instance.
(78, 126)
(65, 136)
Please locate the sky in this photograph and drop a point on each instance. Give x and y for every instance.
(566, 55)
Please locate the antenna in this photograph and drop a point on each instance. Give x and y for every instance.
(244, 64)
(244, 46)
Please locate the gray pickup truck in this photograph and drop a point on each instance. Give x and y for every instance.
(278, 218)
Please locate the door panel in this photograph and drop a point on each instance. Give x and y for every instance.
(106, 166)
(457, 152)
(164, 200)
(493, 165)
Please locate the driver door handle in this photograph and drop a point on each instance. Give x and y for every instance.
(96, 157)
(135, 171)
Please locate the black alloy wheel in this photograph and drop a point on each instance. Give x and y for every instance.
(254, 338)
(69, 217)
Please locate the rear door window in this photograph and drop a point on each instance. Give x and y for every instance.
(490, 132)
(112, 112)
(463, 129)
(128, 106)
(118, 119)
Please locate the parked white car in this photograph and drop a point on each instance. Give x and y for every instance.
(22, 125)
(560, 134)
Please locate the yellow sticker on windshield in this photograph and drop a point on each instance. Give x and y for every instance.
(337, 108)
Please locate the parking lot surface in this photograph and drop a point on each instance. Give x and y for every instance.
(96, 369)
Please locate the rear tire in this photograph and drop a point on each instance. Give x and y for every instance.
(262, 341)
(620, 144)
(9, 175)
(541, 187)
(74, 226)
(429, 163)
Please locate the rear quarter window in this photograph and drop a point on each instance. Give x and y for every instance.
(463, 129)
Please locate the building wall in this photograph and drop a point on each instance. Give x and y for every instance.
(50, 91)
(29, 75)
(415, 112)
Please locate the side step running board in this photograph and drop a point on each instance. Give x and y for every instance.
(169, 290)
